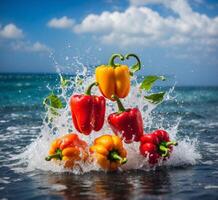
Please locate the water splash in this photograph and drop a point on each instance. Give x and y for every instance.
(34, 155)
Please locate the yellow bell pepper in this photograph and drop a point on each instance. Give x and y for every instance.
(109, 152)
(113, 79)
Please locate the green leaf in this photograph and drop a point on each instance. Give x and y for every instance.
(155, 98)
(148, 82)
(64, 82)
(53, 101)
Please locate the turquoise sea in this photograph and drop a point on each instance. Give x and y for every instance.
(21, 121)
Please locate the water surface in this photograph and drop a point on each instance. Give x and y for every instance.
(21, 120)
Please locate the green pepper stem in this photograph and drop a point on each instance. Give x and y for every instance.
(111, 61)
(57, 155)
(88, 90)
(119, 104)
(136, 57)
(171, 143)
(113, 155)
(164, 149)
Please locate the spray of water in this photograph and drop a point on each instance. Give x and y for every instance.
(34, 155)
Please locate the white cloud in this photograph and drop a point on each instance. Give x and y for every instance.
(11, 31)
(39, 47)
(140, 25)
(30, 47)
(61, 23)
(180, 7)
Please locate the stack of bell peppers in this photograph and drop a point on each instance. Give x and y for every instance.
(88, 114)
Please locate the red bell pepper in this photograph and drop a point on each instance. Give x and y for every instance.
(156, 145)
(126, 122)
(88, 111)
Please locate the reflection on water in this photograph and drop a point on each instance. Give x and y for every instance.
(165, 183)
(100, 185)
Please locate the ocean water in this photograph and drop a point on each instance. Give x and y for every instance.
(190, 114)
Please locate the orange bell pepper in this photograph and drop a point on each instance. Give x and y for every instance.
(69, 149)
(114, 79)
(109, 152)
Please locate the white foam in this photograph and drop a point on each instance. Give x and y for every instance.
(211, 187)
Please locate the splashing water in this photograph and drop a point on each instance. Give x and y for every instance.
(34, 155)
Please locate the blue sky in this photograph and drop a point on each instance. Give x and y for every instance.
(177, 38)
